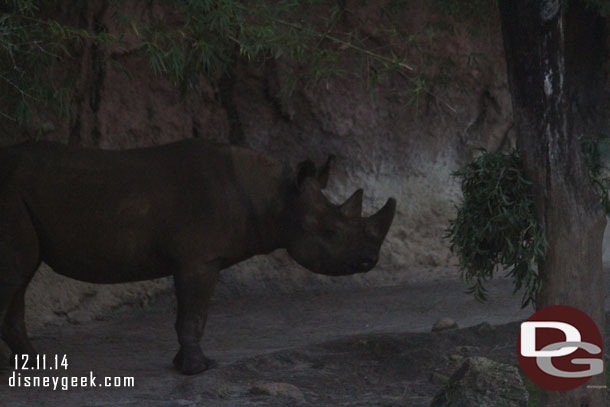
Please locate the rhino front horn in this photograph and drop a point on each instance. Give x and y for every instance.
(352, 207)
(378, 224)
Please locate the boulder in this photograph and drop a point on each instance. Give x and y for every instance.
(444, 324)
(482, 382)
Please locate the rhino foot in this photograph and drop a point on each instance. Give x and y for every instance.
(193, 362)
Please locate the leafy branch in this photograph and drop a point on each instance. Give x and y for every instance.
(187, 40)
(496, 228)
(32, 47)
(214, 33)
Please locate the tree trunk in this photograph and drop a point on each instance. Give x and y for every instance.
(555, 59)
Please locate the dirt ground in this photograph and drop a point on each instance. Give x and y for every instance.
(370, 347)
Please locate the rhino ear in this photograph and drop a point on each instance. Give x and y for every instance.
(305, 169)
(353, 206)
(324, 171)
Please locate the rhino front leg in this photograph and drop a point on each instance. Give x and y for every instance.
(194, 287)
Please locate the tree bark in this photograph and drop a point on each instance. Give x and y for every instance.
(555, 60)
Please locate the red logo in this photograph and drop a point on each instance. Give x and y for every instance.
(560, 348)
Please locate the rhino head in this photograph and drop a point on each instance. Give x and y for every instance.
(333, 239)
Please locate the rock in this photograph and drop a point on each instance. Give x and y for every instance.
(79, 316)
(438, 378)
(467, 349)
(278, 389)
(483, 383)
(455, 357)
(225, 392)
(484, 328)
(444, 324)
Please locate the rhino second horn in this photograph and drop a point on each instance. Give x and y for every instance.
(378, 224)
(352, 207)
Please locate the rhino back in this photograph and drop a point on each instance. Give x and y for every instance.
(112, 216)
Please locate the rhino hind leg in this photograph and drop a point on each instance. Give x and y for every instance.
(14, 332)
(19, 259)
(194, 287)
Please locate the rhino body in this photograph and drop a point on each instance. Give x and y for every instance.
(187, 209)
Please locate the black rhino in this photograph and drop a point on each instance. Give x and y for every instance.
(187, 209)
